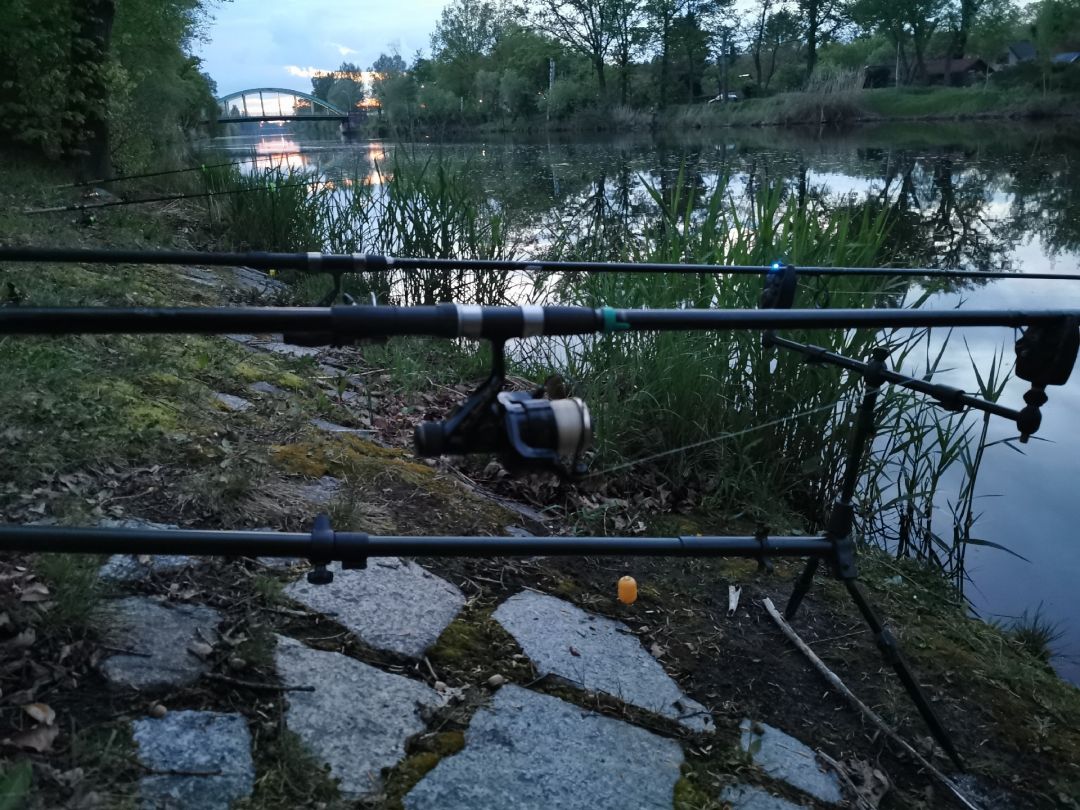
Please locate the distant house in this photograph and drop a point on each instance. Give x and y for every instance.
(1070, 58)
(1019, 52)
(955, 72)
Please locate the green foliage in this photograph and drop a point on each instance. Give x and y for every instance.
(148, 88)
(15, 784)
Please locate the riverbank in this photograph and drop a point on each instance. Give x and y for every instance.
(794, 109)
(150, 438)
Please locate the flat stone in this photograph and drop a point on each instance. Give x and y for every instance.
(251, 280)
(263, 387)
(330, 427)
(160, 636)
(233, 403)
(322, 491)
(392, 605)
(201, 275)
(598, 654)
(534, 752)
(128, 568)
(358, 718)
(786, 759)
(244, 340)
(218, 745)
(287, 349)
(748, 797)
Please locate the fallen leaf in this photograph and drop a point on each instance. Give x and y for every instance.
(38, 738)
(35, 592)
(41, 712)
(25, 639)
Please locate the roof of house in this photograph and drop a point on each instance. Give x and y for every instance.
(1065, 58)
(937, 67)
(1022, 50)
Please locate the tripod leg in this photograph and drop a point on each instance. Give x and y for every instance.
(891, 651)
(802, 585)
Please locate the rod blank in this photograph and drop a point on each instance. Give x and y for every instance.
(344, 323)
(362, 262)
(354, 547)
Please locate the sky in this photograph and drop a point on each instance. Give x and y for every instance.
(278, 43)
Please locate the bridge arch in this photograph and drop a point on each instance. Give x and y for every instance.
(276, 104)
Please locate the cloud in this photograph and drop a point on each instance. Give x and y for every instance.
(344, 50)
(305, 73)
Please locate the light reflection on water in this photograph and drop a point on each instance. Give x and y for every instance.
(976, 200)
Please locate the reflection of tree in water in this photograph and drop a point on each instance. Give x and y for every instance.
(1046, 196)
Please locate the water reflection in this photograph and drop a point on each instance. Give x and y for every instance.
(961, 197)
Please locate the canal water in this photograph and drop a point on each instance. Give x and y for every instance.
(984, 196)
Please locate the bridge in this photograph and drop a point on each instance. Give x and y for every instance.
(278, 104)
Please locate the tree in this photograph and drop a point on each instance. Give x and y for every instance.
(343, 87)
(587, 26)
(628, 34)
(907, 22)
(662, 14)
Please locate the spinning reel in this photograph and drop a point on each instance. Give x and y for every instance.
(527, 432)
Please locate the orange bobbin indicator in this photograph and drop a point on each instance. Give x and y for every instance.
(628, 590)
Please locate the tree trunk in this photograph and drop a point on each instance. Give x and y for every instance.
(598, 63)
(90, 54)
(812, 22)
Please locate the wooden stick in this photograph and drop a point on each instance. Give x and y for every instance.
(869, 713)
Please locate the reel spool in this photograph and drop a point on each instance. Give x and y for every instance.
(528, 432)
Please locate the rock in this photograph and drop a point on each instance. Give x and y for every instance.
(330, 427)
(127, 568)
(218, 745)
(161, 637)
(251, 280)
(786, 759)
(262, 387)
(158, 710)
(322, 491)
(748, 797)
(495, 681)
(243, 340)
(535, 752)
(287, 349)
(596, 653)
(200, 649)
(391, 605)
(358, 718)
(237, 664)
(233, 403)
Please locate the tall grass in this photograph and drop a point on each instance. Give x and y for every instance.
(726, 424)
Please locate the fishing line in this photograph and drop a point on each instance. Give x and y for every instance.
(714, 439)
(166, 198)
(201, 167)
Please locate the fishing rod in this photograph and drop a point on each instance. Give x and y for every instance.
(343, 324)
(164, 198)
(163, 173)
(529, 432)
(338, 263)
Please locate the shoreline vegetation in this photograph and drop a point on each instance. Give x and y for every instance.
(1015, 720)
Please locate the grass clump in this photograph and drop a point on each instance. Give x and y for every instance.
(74, 590)
(1036, 634)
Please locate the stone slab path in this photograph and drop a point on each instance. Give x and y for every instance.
(358, 718)
(598, 654)
(159, 638)
(534, 752)
(783, 757)
(393, 605)
(749, 797)
(210, 743)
